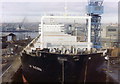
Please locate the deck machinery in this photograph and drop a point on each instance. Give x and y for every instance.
(95, 9)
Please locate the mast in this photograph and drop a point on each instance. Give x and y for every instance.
(65, 7)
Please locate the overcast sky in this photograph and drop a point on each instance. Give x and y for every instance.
(16, 10)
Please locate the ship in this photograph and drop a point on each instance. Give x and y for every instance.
(58, 56)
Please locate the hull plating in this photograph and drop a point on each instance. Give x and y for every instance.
(50, 67)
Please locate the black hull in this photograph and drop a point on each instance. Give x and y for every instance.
(49, 68)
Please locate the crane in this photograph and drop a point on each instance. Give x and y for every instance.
(95, 9)
(21, 24)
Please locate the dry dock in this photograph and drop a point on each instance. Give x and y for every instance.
(14, 74)
(8, 74)
(113, 74)
(10, 60)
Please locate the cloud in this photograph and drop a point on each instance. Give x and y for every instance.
(13, 10)
(38, 8)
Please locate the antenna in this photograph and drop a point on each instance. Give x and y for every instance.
(65, 8)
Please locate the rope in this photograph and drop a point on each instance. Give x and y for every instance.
(85, 76)
(62, 72)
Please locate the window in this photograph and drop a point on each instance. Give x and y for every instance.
(111, 29)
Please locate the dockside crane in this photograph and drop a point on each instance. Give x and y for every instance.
(95, 9)
(21, 24)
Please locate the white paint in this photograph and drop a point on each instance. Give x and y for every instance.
(62, 39)
(35, 67)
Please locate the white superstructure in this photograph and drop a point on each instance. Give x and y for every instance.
(53, 35)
